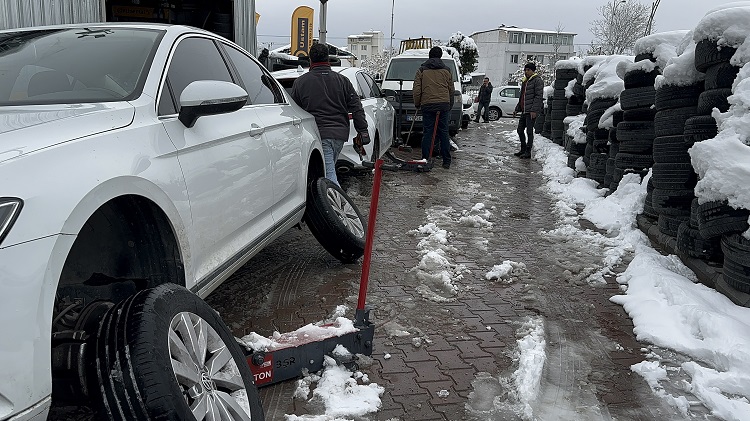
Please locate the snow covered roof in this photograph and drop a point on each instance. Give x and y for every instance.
(662, 46)
(524, 30)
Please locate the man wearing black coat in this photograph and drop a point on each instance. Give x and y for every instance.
(530, 105)
(485, 93)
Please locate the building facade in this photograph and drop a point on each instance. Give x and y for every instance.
(503, 50)
(366, 45)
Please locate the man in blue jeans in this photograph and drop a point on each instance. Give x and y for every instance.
(330, 97)
(433, 93)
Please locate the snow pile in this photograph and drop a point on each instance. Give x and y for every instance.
(531, 358)
(607, 120)
(569, 88)
(593, 63)
(506, 271)
(575, 124)
(435, 271)
(571, 63)
(476, 217)
(680, 70)
(661, 46)
(722, 162)
(608, 83)
(669, 309)
(336, 326)
(338, 391)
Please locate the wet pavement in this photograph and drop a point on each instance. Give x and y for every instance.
(445, 353)
(458, 358)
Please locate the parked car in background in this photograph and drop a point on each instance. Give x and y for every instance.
(141, 165)
(469, 112)
(378, 112)
(503, 101)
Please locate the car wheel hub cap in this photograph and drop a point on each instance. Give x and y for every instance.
(205, 371)
(346, 213)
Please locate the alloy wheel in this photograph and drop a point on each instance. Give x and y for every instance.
(345, 211)
(205, 370)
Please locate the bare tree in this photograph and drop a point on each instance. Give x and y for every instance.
(620, 24)
(557, 42)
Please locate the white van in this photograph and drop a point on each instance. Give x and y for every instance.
(399, 78)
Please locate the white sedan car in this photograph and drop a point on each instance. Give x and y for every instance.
(378, 112)
(141, 165)
(503, 101)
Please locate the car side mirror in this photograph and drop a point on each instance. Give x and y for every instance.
(209, 97)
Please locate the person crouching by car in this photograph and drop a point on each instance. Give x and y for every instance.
(330, 97)
(433, 94)
(529, 105)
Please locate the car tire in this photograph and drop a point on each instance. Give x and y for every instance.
(334, 220)
(494, 114)
(148, 369)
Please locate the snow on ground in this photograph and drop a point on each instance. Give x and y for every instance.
(669, 308)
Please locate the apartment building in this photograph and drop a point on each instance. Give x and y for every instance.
(366, 45)
(503, 49)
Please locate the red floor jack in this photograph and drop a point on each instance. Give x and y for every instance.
(421, 165)
(293, 352)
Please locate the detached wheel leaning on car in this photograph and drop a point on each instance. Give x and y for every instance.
(165, 354)
(334, 220)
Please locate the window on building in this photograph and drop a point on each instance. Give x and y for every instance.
(539, 59)
(516, 38)
(563, 57)
(533, 38)
(363, 56)
(514, 58)
(527, 39)
(364, 48)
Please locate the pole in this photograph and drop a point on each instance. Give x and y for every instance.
(323, 12)
(650, 23)
(393, 6)
(253, 31)
(361, 312)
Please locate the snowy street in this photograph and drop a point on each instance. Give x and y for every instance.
(493, 300)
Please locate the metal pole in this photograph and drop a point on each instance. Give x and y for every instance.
(393, 6)
(361, 312)
(650, 23)
(323, 12)
(253, 31)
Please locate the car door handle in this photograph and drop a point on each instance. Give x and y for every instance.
(502, 100)
(296, 121)
(256, 130)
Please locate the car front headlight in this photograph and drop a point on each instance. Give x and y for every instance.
(10, 207)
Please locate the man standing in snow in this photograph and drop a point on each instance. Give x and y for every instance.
(433, 93)
(529, 105)
(330, 97)
(483, 103)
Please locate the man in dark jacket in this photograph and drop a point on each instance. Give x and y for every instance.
(483, 103)
(433, 93)
(330, 97)
(529, 105)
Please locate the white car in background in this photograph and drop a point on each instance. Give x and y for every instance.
(378, 112)
(503, 101)
(141, 165)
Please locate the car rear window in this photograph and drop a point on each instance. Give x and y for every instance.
(74, 65)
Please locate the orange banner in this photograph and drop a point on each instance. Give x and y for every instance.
(302, 30)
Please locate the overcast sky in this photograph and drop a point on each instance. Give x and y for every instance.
(439, 19)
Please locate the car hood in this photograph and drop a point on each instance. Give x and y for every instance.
(26, 129)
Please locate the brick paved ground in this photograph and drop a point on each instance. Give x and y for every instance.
(471, 340)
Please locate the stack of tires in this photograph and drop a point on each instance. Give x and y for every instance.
(718, 224)
(635, 132)
(547, 127)
(221, 24)
(614, 149)
(560, 102)
(597, 139)
(673, 176)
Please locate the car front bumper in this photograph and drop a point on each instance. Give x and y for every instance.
(28, 281)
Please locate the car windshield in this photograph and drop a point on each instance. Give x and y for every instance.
(406, 68)
(74, 65)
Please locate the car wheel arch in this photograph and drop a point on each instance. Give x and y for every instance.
(129, 240)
